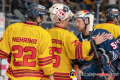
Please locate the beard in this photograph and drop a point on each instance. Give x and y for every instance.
(116, 23)
(65, 26)
(82, 30)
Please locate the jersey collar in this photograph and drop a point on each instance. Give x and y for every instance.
(110, 22)
(30, 23)
(59, 26)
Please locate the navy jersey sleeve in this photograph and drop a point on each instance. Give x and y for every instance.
(110, 44)
(118, 40)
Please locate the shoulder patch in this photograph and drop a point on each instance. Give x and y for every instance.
(94, 35)
(109, 36)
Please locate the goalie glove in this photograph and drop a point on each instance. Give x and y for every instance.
(104, 58)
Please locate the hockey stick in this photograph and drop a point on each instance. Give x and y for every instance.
(90, 34)
(19, 15)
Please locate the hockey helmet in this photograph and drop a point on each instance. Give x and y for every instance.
(59, 12)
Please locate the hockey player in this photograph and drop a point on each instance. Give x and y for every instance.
(112, 17)
(105, 50)
(29, 46)
(65, 45)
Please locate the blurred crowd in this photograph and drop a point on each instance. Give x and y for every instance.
(74, 5)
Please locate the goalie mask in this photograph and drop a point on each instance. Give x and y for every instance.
(59, 12)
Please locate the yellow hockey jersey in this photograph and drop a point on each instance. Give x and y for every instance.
(110, 27)
(66, 46)
(29, 46)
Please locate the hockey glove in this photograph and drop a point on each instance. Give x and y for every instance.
(104, 58)
(75, 62)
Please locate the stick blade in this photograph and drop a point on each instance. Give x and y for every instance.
(19, 15)
(91, 22)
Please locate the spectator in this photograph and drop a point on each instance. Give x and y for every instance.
(82, 4)
(49, 3)
(73, 5)
(15, 4)
(90, 5)
(111, 4)
(24, 6)
(29, 2)
(46, 3)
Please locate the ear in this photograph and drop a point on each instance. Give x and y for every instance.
(63, 21)
(115, 20)
(86, 21)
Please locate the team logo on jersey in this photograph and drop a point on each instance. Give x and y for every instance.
(72, 74)
(94, 36)
(109, 36)
(1, 39)
(75, 42)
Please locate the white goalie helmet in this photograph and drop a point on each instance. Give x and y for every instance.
(59, 12)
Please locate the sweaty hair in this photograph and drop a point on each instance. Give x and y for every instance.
(31, 19)
(108, 20)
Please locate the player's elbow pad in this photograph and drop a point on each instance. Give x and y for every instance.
(110, 55)
(107, 55)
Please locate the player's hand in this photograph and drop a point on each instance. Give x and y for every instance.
(110, 77)
(51, 77)
(78, 71)
(100, 38)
